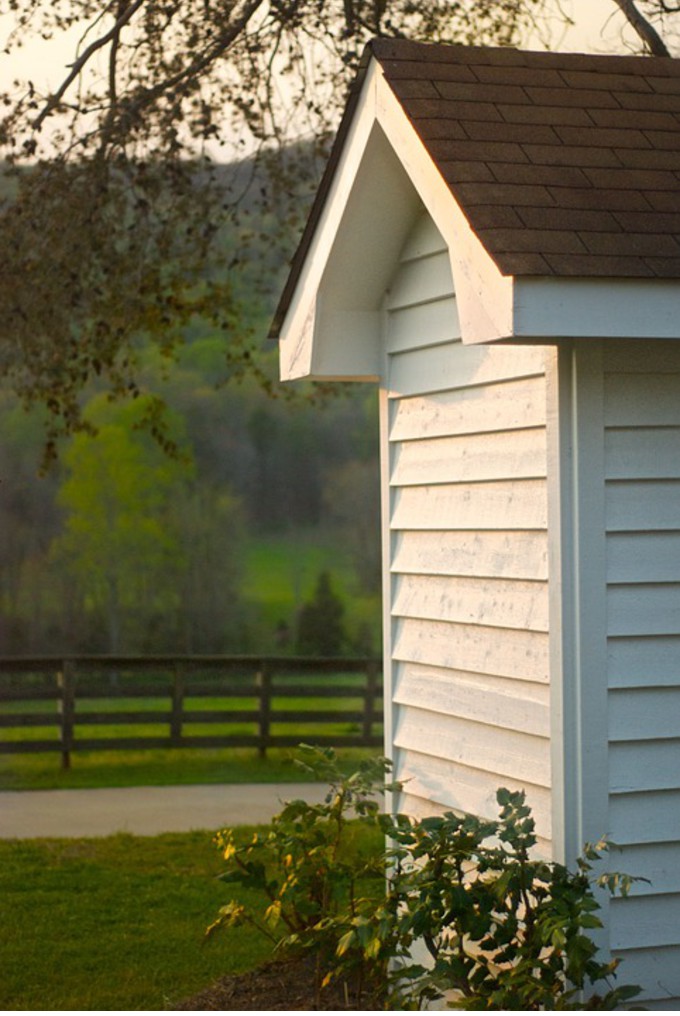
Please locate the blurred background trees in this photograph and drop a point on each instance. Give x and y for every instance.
(152, 193)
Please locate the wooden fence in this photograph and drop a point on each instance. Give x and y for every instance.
(62, 704)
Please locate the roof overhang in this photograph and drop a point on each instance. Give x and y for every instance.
(379, 180)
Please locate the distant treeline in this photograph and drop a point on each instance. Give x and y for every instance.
(123, 547)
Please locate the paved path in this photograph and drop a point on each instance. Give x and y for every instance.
(144, 811)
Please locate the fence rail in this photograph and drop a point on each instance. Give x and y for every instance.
(61, 704)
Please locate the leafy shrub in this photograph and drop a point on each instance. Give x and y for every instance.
(314, 871)
(503, 929)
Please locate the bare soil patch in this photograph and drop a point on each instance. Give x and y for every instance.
(282, 985)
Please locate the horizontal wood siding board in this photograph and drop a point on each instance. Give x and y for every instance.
(643, 661)
(502, 652)
(648, 817)
(498, 406)
(645, 922)
(428, 324)
(642, 505)
(640, 766)
(516, 454)
(644, 609)
(656, 970)
(492, 701)
(420, 281)
(449, 785)
(493, 602)
(643, 557)
(643, 453)
(423, 240)
(650, 400)
(657, 863)
(423, 371)
(644, 713)
(519, 505)
(507, 555)
(650, 356)
(501, 752)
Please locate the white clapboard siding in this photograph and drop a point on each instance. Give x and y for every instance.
(481, 698)
(421, 371)
(644, 713)
(653, 970)
(510, 555)
(500, 752)
(641, 922)
(649, 817)
(425, 324)
(513, 504)
(498, 406)
(467, 607)
(639, 661)
(432, 783)
(494, 602)
(643, 557)
(502, 651)
(420, 281)
(655, 356)
(658, 406)
(656, 865)
(648, 765)
(520, 453)
(644, 609)
(644, 453)
(642, 504)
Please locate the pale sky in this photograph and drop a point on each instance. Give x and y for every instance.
(45, 61)
(598, 28)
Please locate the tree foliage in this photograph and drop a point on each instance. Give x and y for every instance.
(118, 544)
(117, 221)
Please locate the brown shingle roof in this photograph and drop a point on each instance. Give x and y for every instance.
(564, 164)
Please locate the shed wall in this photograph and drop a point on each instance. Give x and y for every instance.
(641, 400)
(464, 435)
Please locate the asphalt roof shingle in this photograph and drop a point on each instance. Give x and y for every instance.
(564, 164)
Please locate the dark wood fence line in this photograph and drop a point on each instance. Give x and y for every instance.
(265, 684)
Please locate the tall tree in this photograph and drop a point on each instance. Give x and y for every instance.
(119, 544)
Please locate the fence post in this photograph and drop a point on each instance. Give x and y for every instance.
(66, 706)
(369, 698)
(176, 715)
(263, 681)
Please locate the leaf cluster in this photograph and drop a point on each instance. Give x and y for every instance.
(502, 928)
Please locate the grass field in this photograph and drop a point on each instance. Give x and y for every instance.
(117, 922)
(281, 573)
(113, 923)
(156, 768)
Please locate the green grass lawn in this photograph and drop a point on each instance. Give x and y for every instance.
(114, 923)
(156, 767)
(281, 572)
(118, 922)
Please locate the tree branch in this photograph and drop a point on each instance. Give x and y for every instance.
(643, 27)
(78, 65)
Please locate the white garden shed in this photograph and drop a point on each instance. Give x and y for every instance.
(497, 243)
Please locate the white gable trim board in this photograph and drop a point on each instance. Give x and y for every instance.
(531, 525)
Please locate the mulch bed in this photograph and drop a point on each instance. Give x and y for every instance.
(274, 986)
